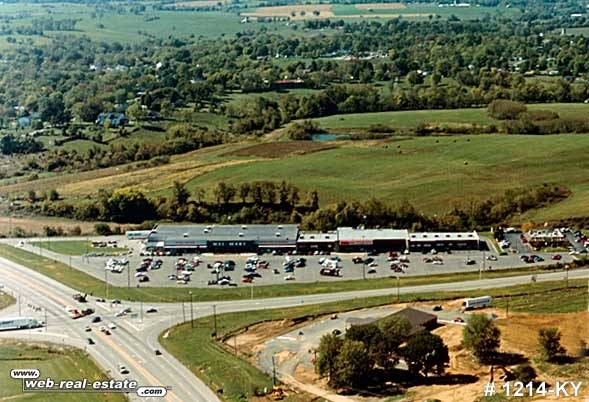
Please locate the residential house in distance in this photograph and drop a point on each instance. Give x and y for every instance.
(115, 119)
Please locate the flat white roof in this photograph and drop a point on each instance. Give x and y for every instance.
(352, 234)
(317, 237)
(443, 236)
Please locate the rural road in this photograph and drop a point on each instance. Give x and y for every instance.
(134, 341)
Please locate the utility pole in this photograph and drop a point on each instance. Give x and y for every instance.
(45, 319)
(252, 290)
(566, 267)
(191, 313)
(215, 319)
(273, 371)
(106, 283)
(398, 295)
(128, 276)
(183, 313)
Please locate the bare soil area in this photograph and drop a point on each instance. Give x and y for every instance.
(380, 6)
(519, 334)
(280, 149)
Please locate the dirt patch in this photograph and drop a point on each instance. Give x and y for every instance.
(295, 12)
(280, 149)
(36, 225)
(380, 6)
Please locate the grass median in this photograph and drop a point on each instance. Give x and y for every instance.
(219, 368)
(89, 284)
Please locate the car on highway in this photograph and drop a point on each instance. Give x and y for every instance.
(357, 260)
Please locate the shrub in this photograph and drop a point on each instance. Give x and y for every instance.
(102, 229)
(524, 373)
(505, 109)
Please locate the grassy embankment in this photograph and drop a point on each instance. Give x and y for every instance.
(54, 361)
(75, 247)
(221, 369)
(86, 283)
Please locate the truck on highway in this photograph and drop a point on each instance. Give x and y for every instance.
(75, 313)
(7, 324)
(477, 302)
(80, 297)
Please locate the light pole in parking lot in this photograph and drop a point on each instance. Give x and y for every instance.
(566, 277)
(191, 312)
(398, 295)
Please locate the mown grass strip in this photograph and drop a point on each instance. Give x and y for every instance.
(75, 247)
(221, 369)
(89, 284)
(54, 361)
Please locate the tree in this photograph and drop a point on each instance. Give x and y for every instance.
(327, 352)
(426, 353)
(52, 195)
(102, 229)
(505, 109)
(372, 337)
(395, 331)
(52, 109)
(128, 205)
(136, 112)
(180, 194)
(351, 365)
(482, 337)
(549, 340)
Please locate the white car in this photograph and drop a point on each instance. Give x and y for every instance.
(111, 325)
(438, 262)
(102, 328)
(123, 369)
(140, 274)
(290, 277)
(373, 264)
(492, 258)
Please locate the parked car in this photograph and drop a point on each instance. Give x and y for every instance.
(437, 308)
(491, 258)
(123, 369)
(144, 279)
(151, 310)
(90, 341)
(336, 332)
(470, 262)
(458, 319)
(289, 278)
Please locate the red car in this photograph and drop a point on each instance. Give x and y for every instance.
(459, 319)
(557, 257)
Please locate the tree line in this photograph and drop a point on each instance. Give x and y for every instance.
(267, 202)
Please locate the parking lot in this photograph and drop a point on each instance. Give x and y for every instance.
(274, 273)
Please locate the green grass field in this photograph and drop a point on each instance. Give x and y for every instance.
(412, 10)
(54, 361)
(219, 368)
(5, 300)
(75, 247)
(410, 119)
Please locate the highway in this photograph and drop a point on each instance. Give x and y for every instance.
(134, 340)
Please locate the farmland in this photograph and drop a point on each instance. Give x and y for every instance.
(392, 169)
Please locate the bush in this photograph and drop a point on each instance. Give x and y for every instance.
(505, 109)
(303, 131)
(102, 229)
(524, 373)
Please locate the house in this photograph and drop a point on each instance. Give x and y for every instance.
(115, 119)
(419, 320)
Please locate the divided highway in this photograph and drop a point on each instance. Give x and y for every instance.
(134, 341)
